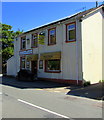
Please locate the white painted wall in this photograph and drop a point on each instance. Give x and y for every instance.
(11, 66)
(79, 60)
(92, 47)
(16, 54)
(68, 53)
(45, 48)
(69, 58)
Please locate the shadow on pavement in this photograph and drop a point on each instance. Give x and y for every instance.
(95, 91)
(9, 81)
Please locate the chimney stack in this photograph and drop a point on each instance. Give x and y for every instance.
(96, 3)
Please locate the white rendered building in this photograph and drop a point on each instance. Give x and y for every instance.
(69, 50)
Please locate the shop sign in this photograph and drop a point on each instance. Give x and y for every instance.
(26, 52)
(53, 55)
(32, 57)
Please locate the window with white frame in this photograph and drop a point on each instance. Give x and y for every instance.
(52, 36)
(23, 42)
(34, 40)
(71, 32)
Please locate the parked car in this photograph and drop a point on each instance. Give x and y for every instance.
(25, 75)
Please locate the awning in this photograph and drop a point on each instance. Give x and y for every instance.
(50, 55)
(32, 57)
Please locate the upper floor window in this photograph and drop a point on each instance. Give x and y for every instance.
(23, 42)
(34, 40)
(70, 32)
(41, 38)
(52, 36)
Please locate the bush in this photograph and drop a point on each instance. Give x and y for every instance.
(86, 83)
(25, 75)
(100, 81)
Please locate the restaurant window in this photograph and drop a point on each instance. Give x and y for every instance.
(23, 61)
(52, 36)
(52, 65)
(41, 64)
(27, 65)
(23, 42)
(70, 32)
(34, 40)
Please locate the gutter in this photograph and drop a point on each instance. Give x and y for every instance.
(93, 11)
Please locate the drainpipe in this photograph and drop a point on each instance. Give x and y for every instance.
(78, 19)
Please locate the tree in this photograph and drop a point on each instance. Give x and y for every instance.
(7, 38)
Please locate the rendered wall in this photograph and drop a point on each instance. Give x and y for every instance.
(16, 54)
(11, 66)
(92, 47)
(70, 53)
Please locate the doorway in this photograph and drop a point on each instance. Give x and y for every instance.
(34, 67)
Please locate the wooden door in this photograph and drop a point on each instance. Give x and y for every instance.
(34, 67)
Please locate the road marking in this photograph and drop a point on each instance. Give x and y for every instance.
(0, 93)
(42, 108)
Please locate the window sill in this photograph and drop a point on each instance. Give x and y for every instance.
(22, 49)
(70, 41)
(34, 47)
(53, 71)
(51, 44)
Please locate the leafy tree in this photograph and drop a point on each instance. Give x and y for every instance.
(7, 38)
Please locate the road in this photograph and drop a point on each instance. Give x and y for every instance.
(38, 103)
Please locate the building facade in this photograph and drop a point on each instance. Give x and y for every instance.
(69, 50)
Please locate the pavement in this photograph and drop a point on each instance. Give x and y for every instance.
(94, 91)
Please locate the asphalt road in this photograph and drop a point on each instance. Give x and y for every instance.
(36, 103)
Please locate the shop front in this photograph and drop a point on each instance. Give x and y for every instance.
(29, 61)
(52, 62)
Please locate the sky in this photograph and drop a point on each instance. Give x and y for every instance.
(28, 15)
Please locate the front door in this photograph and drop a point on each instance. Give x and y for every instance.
(34, 67)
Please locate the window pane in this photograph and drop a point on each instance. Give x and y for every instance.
(72, 35)
(35, 40)
(72, 26)
(23, 43)
(28, 65)
(41, 37)
(23, 63)
(53, 65)
(52, 32)
(41, 64)
(52, 37)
